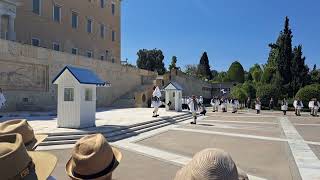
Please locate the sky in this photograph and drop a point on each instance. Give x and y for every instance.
(228, 30)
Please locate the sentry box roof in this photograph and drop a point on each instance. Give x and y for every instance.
(84, 76)
(173, 86)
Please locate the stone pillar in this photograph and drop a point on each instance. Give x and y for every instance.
(12, 33)
(0, 26)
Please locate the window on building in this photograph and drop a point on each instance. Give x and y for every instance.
(56, 46)
(36, 6)
(113, 8)
(102, 57)
(113, 36)
(89, 54)
(88, 94)
(74, 20)
(102, 3)
(68, 94)
(56, 13)
(89, 25)
(112, 60)
(102, 30)
(35, 42)
(74, 51)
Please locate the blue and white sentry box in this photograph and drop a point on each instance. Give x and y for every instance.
(77, 97)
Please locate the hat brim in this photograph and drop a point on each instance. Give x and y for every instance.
(44, 165)
(117, 154)
(38, 138)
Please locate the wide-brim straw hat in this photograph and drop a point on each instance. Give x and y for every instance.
(93, 158)
(21, 126)
(18, 163)
(211, 164)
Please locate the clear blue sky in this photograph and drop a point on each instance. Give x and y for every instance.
(227, 29)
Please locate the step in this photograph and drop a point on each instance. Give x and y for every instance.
(85, 131)
(116, 134)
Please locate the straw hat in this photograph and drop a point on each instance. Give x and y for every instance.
(21, 126)
(93, 158)
(18, 163)
(211, 164)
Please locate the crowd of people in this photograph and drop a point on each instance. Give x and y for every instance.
(93, 158)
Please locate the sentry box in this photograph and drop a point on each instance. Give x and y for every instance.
(77, 97)
(173, 95)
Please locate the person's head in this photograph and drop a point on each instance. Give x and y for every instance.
(194, 97)
(211, 164)
(154, 87)
(284, 99)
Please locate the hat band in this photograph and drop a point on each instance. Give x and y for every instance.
(97, 175)
(25, 172)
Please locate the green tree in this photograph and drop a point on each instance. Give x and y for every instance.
(268, 74)
(315, 75)
(204, 67)
(256, 75)
(191, 69)
(267, 91)
(236, 72)
(249, 89)
(255, 67)
(173, 64)
(151, 60)
(281, 56)
(299, 70)
(308, 92)
(239, 93)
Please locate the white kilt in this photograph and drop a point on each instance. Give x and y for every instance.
(316, 107)
(284, 108)
(258, 107)
(156, 104)
(299, 107)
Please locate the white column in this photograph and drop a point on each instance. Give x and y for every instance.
(167, 99)
(12, 33)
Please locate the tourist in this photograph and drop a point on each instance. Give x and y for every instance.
(211, 164)
(193, 105)
(156, 103)
(2, 100)
(311, 106)
(271, 104)
(298, 106)
(234, 105)
(200, 100)
(93, 158)
(316, 106)
(18, 163)
(213, 104)
(248, 103)
(258, 105)
(284, 106)
(203, 110)
(21, 126)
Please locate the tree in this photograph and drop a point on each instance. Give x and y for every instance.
(204, 67)
(236, 72)
(281, 56)
(238, 93)
(268, 74)
(315, 75)
(151, 60)
(256, 75)
(300, 71)
(173, 64)
(267, 91)
(249, 89)
(255, 67)
(191, 70)
(308, 92)
(214, 73)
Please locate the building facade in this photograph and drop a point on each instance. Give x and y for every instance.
(88, 28)
(7, 19)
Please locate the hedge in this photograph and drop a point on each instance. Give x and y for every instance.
(308, 92)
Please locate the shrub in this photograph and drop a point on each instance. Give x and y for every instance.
(238, 93)
(236, 72)
(267, 91)
(249, 89)
(308, 92)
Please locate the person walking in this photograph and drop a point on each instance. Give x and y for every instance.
(258, 105)
(271, 104)
(193, 104)
(248, 103)
(156, 103)
(316, 106)
(213, 104)
(299, 106)
(311, 106)
(284, 106)
(2, 100)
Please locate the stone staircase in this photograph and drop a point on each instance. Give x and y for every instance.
(114, 133)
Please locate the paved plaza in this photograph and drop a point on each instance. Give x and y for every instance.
(267, 146)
